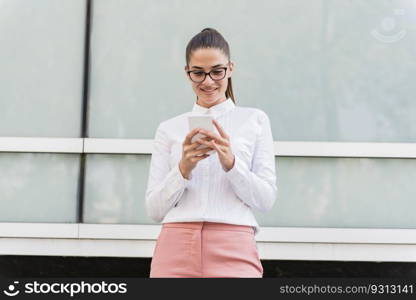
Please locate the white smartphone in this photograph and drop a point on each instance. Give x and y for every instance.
(201, 121)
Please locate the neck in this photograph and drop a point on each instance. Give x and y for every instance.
(220, 100)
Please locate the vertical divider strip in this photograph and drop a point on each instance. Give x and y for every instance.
(84, 124)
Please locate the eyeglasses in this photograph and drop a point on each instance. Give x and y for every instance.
(215, 74)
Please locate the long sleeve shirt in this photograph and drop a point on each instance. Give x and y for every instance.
(211, 193)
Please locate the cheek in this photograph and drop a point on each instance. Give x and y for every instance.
(224, 84)
(194, 86)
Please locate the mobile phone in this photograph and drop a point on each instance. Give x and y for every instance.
(201, 121)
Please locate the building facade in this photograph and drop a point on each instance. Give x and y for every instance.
(85, 83)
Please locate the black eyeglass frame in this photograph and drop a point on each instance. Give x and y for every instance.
(207, 73)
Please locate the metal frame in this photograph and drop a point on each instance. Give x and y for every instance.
(120, 240)
(354, 244)
(266, 234)
(144, 146)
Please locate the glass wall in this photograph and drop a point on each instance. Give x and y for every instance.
(115, 188)
(344, 192)
(41, 59)
(312, 192)
(342, 72)
(38, 187)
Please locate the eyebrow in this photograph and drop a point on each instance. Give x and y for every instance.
(196, 67)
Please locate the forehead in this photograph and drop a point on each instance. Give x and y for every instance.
(207, 57)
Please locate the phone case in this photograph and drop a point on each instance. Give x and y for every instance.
(202, 121)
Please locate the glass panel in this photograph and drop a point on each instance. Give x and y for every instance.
(41, 59)
(137, 64)
(115, 187)
(344, 192)
(342, 72)
(368, 69)
(313, 192)
(331, 75)
(38, 187)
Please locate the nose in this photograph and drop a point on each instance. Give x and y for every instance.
(208, 80)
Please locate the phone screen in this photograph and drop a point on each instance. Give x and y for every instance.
(204, 122)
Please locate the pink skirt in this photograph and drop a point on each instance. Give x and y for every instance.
(205, 249)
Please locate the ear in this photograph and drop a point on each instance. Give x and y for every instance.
(231, 64)
(186, 70)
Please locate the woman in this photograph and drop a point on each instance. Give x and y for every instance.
(204, 201)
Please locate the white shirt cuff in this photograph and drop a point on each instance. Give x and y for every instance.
(237, 172)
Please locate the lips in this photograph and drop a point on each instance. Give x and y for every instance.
(210, 91)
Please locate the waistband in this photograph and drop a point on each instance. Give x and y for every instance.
(209, 226)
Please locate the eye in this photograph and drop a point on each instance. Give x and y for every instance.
(217, 72)
(197, 73)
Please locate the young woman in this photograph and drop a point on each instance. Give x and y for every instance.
(206, 201)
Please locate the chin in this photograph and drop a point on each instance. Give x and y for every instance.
(209, 99)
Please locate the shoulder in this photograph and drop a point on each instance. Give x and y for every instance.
(173, 123)
(251, 113)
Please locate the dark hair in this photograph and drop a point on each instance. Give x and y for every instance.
(210, 38)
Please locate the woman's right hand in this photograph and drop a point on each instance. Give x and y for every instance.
(189, 154)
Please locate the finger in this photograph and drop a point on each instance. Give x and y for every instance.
(200, 151)
(204, 141)
(206, 138)
(219, 139)
(195, 144)
(204, 150)
(213, 145)
(217, 147)
(225, 143)
(220, 129)
(192, 146)
(198, 158)
(189, 136)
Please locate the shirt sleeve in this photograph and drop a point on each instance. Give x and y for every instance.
(165, 185)
(256, 187)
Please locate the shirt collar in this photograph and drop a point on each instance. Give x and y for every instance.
(215, 110)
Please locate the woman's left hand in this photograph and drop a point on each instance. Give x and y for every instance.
(221, 144)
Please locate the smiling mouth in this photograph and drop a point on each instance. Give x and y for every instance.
(209, 91)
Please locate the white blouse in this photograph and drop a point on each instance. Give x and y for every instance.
(212, 194)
